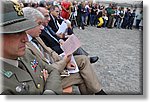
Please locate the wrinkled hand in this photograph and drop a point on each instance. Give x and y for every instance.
(45, 74)
(61, 35)
(71, 65)
(61, 42)
(67, 58)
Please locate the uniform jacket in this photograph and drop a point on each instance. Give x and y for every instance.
(30, 81)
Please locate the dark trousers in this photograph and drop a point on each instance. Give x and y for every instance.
(137, 23)
(110, 21)
(92, 19)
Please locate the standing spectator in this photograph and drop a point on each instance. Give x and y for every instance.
(83, 16)
(73, 15)
(120, 17)
(93, 15)
(89, 15)
(87, 8)
(65, 5)
(79, 16)
(131, 20)
(126, 18)
(110, 13)
(139, 17)
(115, 17)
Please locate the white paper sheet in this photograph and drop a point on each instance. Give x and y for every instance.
(62, 28)
(71, 45)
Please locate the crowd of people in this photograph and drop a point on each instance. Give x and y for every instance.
(98, 15)
(86, 13)
(31, 48)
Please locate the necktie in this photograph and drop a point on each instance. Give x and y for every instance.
(44, 54)
(56, 24)
(35, 41)
(38, 45)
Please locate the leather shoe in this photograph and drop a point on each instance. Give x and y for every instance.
(101, 92)
(94, 59)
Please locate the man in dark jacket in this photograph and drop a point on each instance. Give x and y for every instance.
(51, 39)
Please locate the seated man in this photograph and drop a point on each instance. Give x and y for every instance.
(51, 39)
(22, 77)
(85, 78)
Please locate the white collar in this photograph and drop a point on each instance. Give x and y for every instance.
(29, 37)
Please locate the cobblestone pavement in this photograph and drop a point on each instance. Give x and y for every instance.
(119, 68)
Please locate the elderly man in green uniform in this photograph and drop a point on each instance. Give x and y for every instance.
(22, 77)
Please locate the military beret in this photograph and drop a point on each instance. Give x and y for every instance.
(13, 20)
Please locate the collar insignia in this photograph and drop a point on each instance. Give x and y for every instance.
(8, 74)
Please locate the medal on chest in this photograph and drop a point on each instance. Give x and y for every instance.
(34, 65)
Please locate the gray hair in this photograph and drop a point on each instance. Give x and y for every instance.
(32, 13)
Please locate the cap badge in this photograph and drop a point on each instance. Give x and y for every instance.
(17, 8)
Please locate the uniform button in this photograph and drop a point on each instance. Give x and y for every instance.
(38, 85)
(18, 89)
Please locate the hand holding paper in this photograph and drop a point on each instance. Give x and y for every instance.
(72, 65)
(71, 45)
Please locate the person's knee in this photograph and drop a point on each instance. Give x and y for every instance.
(83, 58)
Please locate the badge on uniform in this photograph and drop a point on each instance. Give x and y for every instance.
(17, 8)
(8, 74)
(22, 88)
(34, 64)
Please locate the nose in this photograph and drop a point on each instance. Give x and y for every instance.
(48, 18)
(24, 37)
(41, 27)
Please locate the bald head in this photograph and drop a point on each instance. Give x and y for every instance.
(45, 12)
(42, 10)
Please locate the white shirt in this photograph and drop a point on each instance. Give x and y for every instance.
(30, 40)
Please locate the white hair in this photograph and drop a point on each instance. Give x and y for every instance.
(32, 13)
